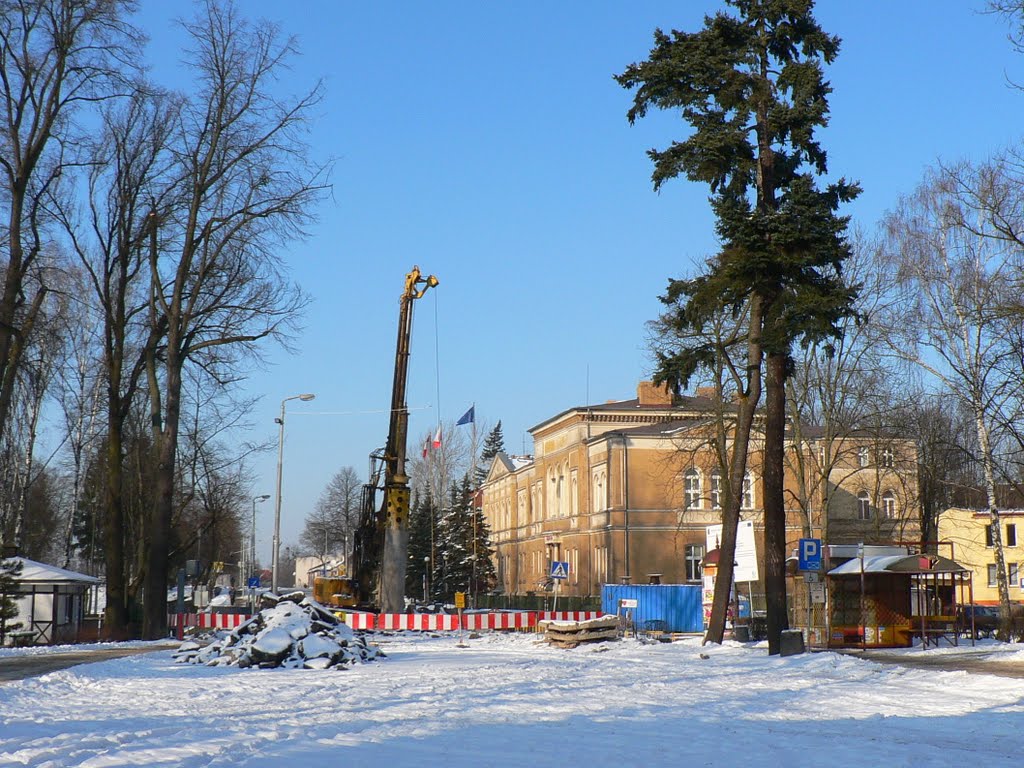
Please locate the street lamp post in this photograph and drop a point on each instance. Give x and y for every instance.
(277, 507)
(252, 534)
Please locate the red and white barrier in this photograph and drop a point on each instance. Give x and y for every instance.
(209, 620)
(427, 622)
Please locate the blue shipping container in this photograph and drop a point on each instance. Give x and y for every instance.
(678, 605)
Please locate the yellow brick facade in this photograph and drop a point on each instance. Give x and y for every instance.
(965, 530)
(626, 490)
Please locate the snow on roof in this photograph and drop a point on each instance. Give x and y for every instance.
(35, 572)
(898, 564)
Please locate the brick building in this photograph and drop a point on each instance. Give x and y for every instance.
(625, 490)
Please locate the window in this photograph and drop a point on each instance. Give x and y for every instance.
(748, 491)
(988, 535)
(716, 489)
(694, 556)
(992, 574)
(862, 457)
(863, 506)
(1011, 535)
(599, 501)
(822, 456)
(889, 505)
(885, 459)
(1013, 576)
(574, 494)
(691, 489)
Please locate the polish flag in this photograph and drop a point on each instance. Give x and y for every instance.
(437, 437)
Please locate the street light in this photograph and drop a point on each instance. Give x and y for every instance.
(252, 533)
(277, 511)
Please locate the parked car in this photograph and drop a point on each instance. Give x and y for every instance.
(986, 620)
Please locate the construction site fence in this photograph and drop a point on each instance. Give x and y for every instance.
(427, 622)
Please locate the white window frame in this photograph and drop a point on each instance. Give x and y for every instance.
(887, 457)
(716, 489)
(692, 489)
(693, 557)
(863, 506)
(747, 498)
(863, 456)
(889, 505)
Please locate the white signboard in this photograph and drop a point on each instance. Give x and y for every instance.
(817, 592)
(746, 550)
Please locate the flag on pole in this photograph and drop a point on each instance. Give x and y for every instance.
(467, 417)
(426, 447)
(437, 437)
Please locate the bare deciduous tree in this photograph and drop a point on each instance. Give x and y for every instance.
(246, 188)
(56, 56)
(956, 267)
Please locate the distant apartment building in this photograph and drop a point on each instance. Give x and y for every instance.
(969, 533)
(625, 491)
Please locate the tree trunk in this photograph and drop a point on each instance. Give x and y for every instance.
(154, 623)
(737, 470)
(116, 614)
(774, 502)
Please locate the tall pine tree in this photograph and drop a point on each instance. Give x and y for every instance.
(751, 86)
(422, 522)
(494, 444)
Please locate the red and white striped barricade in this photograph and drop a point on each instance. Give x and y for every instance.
(358, 620)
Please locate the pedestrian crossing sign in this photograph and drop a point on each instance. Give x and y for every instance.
(559, 570)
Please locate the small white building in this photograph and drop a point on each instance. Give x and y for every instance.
(51, 603)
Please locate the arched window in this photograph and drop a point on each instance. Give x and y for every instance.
(599, 501)
(863, 506)
(691, 489)
(551, 500)
(574, 494)
(889, 505)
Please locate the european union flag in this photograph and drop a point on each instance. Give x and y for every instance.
(467, 417)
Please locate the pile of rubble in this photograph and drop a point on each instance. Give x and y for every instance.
(569, 634)
(291, 631)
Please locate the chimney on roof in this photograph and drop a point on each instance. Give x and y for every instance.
(708, 393)
(648, 393)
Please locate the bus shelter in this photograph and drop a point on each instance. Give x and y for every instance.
(887, 601)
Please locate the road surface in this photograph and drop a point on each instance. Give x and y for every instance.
(30, 665)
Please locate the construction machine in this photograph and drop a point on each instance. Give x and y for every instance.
(382, 538)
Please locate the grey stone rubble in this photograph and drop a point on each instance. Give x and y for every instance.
(292, 632)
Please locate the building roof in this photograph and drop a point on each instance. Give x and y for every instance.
(682, 406)
(33, 572)
(898, 564)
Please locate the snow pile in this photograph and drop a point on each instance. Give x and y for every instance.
(295, 632)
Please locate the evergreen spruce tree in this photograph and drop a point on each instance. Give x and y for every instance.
(422, 521)
(494, 444)
(484, 578)
(10, 569)
(751, 86)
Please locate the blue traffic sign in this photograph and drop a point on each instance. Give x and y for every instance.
(253, 582)
(559, 570)
(810, 555)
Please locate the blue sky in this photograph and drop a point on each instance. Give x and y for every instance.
(487, 143)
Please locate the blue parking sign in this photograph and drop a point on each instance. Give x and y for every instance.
(809, 555)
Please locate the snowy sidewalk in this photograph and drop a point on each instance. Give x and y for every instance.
(510, 700)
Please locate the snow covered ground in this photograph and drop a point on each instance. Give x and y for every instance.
(509, 700)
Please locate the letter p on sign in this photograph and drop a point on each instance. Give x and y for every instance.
(810, 555)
